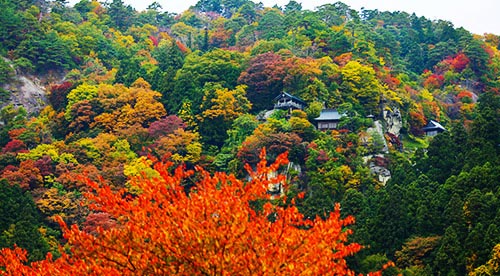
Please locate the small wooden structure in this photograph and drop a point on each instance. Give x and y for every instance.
(328, 119)
(433, 128)
(287, 101)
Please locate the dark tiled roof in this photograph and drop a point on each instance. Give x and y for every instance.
(433, 125)
(329, 115)
(285, 94)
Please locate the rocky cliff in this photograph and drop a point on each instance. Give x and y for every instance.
(393, 121)
(26, 91)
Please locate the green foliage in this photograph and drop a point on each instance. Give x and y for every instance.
(218, 66)
(6, 74)
(360, 86)
(20, 222)
(271, 26)
(241, 128)
(121, 15)
(10, 25)
(80, 93)
(47, 53)
(492, 266)
(376, 261)
(220, 60)
(449, 257)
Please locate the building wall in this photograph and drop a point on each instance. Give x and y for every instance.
(327, 125)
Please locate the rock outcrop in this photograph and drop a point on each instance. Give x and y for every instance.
(393, 121)
(378, 130)
(26, 91)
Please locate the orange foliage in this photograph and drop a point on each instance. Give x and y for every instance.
(417, 122)
(212, 230)
(182, 47)
(15, 133)
(465, 94)
(391, 81)
(126, 107)
(434, 81)
(343, 59)
(27, 176)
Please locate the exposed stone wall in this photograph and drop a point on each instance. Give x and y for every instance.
(393, 121)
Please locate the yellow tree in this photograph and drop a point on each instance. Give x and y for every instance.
(228, 104)
(221, 107)
(492, 267)
(360, 85)
(181, 146)
(126, 107)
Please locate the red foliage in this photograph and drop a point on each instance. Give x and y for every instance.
(70, 175)
(312, 145)
(165, 126)
(45, 165)
(434, 81)
(27, 176)
(488, 50)
(456, 63)
(391, 81)
(464, 94)
(410, 90)
(264, 78)
(154, 40)
(58, 93)
(212, 230)
(65, 86)
(99, 219)
(11, 168)
(83, 116)
(276, 143)
(15, 146)
(394, 142)
(322, 156)
(459, 62)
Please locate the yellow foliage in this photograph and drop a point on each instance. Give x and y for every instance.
(193, 152)
(140, 167)
(53, 203)
(183, 145)
(300, 124)
(125, 41)
(426, 95)
(127, 107)
(228, 104)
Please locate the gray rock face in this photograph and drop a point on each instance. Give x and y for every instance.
(26, 91)
(393, 121)
(379, 130)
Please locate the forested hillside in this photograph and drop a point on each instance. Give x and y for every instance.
(138, 100)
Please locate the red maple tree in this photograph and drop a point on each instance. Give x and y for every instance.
(214, 229)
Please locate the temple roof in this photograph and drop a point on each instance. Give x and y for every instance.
(287, 95)
(433, 125)
(329, 115)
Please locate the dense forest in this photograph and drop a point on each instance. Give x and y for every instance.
(137, 100)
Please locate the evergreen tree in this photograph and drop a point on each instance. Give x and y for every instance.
(20, 222)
